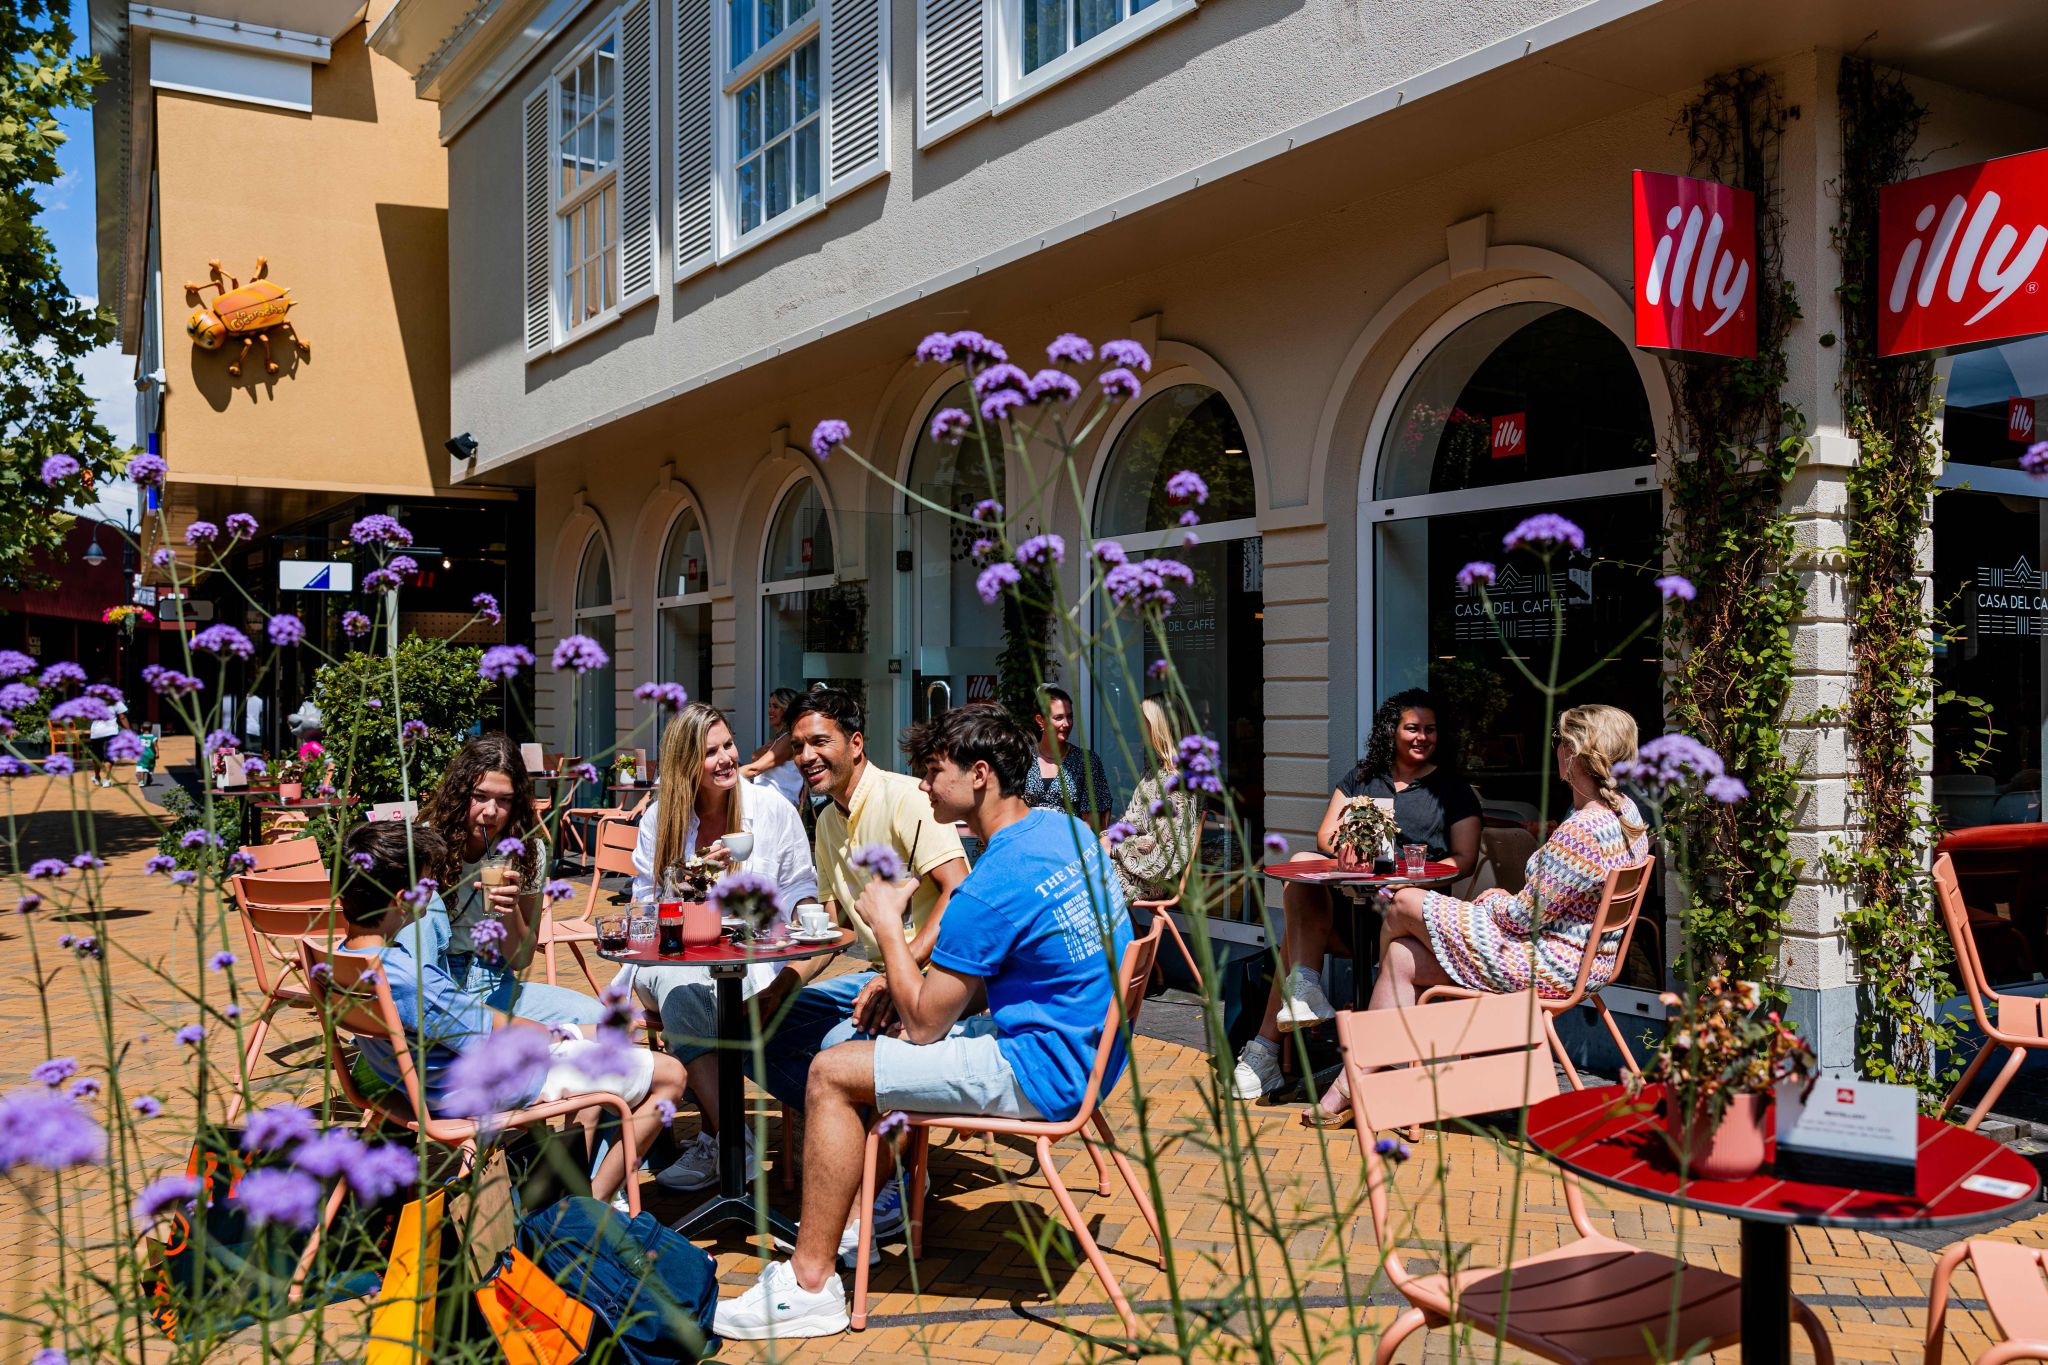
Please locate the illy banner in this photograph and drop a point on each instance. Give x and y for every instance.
(1959, 255)
(2019, 420)
(1695, 265)
(1511, 435)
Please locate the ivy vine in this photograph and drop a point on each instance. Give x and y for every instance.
(1891, 409)
(1731, 646)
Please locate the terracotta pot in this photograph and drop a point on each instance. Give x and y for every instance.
(290, 791)
(700, 922)
(1733, 1149)
(1350, 859)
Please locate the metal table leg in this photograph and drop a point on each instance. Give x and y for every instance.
(1766, 1293)
(734, 1202)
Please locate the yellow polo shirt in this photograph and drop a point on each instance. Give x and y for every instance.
(889, 809)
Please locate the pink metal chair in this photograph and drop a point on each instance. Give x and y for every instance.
(1123, 1013)
(278, 911)
(1592, 1300)
(2019, 1022)
(1619, 902)
(1159, 910)
(613, 854)
(2012, 1280)
(287, 858)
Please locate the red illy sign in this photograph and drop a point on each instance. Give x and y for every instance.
(2019, 420)
(1695, 265)
(1511, 435)
(1959, 255)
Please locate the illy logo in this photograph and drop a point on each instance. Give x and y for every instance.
(1960, 255)
(1510, 435)
(1973, 245)
(2019, 420)
(1844, 1095)
(1695, 265)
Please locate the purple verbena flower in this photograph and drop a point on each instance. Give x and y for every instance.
(201, 533)
(1676, 587)
(146, 1106)
(828, 436)
(159, 865)
(199, 838)
(579, 654)
(163, 1194)
(1126, 353)
(10, 766)
(86, 709)
(184, 878)
(1276, 845)
(1187, 486)
(1544, 533)
(936, 349)
(1001, 404)
(28, 904)
(1727, 790)
(146, 471)
(1118, 832)
(59, 765)
(169, 682)
(1119, 383)
(1191, 518)
(1069, 349)
(15, 664)
(241, 525)
(502, 1072)
(992, 580)
(191, 1035)
(1156, 669)
(982, 549)
(1200, 767)
(879, 860)
(39, 1127)
(1108, 552)
(62, 673)
(1003, 376)
(557, 890)
(975, 344)
(87, 862)
(487, 936)
(988, 509)
(405, 566)
(501, 663)
(510, 847)
(221, 741)
(54, 1072)
(276, 1127)
(1671, 762)
(270, 1194)
(46, 869)
(1042, 551)
(487, 607)
(224, 639)
(107, 693)
(354, 623)
(584, 772)
(58, 468)
(1052, 384)
(2035, 460)
(285, 629)
(381, 1171)
(669, 696)
(382, 580)
(84, 1088)
(163, 556)
(1145, 583)
(1475, 573)
(221, 961)
(412, 732)
(379, 529)
(420, 892)
(950, 426)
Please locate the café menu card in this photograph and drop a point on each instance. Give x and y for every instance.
(1852, 1133)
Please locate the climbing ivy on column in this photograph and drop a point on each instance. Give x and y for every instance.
(1738, 442)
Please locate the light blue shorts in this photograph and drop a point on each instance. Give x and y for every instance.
(963, 1073)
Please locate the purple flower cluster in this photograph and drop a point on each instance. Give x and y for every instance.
(420, 892)
(271, 1194)
(1200, 766)
(59, 765)
(1108, 552)
(1672, 762)
(1476, 573)
(1187, 486)
(502, 1072)
(487, 607)
(201, 533)
(58, 468)
(828, 435)
(85, 862)
(159, 865)
(54, 1072)
(992, 580)
(501, 663)
(1677, 587)
(1128, 354)
(670, 696)
(276, 1127)
(1119, 383)
(241, 525)
(988, 509)
(163, 556)
(224, 639)
(354, 623)
(39, 1127)
(2035, 460)
(199, 838)
(950, 426)
(1069, 349)
(168, 682)
(749, 896)
(146, 471)
(1146, 582)
(488, 938)
(1276, 845)
(15, 664)
(511, 846)
(379, 529)
(285, 629)
(1544, 533)
(942, 348)
(1052, 384)
(191, 1035)
(557, 890)
(63, 674)
(78, 709)
(1118, 832)
(46, 869)
(879, 860)
(412, 732)
(163, 1194)
(1042, 552)
(221, 961)
(579, 654)
(382, 580)
(221, 741)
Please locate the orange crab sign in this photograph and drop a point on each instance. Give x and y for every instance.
(249, 311)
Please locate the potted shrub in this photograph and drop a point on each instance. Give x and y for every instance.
(290, 780)
(1366, 833)
(1723, 1058)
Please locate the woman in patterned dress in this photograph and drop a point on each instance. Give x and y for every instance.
(1506, 940)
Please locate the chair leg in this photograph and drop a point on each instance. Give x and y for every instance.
(1997, 1088)
(549, 955)
(1628, 1058)
(584, 963)
(1937, 1298)
(1571, 1073)
(1101, 1170)
(1173, 932)
(257, 1034)
(867, 1233)
(1088, 1247)
(918, 1170)
(1138, 1193)
(1396, 1333)
(1823, 1349)
(297, 1288)
(1969, 1074)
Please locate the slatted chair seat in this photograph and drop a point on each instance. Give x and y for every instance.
(2015, 1290)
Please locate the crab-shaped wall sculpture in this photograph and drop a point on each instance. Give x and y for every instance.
(249, 311)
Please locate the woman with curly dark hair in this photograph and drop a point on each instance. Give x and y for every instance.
(1411, 768)
(484, 935)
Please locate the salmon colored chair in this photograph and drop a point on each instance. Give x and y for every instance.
(1592, 1300)
(2011, 1278)
(576, 820)
(1619, 902)
(287, 858)
(613, 854)
(1123, 1015)
(2018, 1022)
(1159, 916)
(277, 912)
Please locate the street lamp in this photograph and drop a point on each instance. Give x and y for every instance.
(94, 555)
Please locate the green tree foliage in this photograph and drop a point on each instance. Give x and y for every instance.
(44, 330)
(437, 685)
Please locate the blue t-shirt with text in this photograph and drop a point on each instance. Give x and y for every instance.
(1043, 924)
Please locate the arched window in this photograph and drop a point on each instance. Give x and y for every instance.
(1990, 543)
(814, 628)
(683, 604)
(1215, 634)
(1528, 407)
(955, 637)
(596, 701)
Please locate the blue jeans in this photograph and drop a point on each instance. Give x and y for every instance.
(821, 1016)
(501, 989)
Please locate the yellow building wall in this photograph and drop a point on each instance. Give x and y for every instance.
(350, 205)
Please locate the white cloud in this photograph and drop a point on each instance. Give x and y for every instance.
(109, 378)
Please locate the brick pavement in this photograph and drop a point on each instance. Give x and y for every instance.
(982, 1295)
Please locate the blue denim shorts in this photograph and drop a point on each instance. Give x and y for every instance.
(963, 1073)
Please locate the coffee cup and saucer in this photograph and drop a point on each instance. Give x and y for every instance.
(813, 925)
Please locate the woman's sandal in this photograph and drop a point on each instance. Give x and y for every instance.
(1315, 1116)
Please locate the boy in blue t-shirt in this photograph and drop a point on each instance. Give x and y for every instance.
(1038, 930)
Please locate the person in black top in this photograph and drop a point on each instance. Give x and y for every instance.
(1410, 761)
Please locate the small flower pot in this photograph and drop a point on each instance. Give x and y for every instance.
(1351, 860)
(290, 791)
(701, 923)
(1732, 1149)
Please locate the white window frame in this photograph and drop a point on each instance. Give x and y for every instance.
(560, 208)
(662, 605)
(1014, 84)
(735, 79)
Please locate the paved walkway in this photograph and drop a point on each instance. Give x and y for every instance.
(983, 1296)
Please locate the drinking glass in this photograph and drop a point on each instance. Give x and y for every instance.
(612, 933)
(640, 931)
(1415, 859)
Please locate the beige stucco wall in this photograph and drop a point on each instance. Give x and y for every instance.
(349, 204)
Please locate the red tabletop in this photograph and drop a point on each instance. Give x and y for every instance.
(726, 953)
(1325, 872)
(1611, 1140)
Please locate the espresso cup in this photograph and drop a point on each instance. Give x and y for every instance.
(739, 845)
(812, 919)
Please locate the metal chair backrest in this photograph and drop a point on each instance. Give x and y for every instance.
(1620, 900)
(287, 857)
(1955, 917)
(280, 908)
(616, 840)
(1132, 973)
(353, 994)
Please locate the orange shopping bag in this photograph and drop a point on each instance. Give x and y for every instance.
(402, 1324)
(536, 1321)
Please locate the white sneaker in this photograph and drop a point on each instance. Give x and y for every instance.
(777, 1306)
(1258, 1070)
(697, 1167)
(1302, 1002)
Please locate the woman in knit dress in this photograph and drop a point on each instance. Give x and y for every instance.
(1507, 940)
(1149, 863)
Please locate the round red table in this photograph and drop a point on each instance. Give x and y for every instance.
(1603, 1136)
(1362, 888)
(728, 962)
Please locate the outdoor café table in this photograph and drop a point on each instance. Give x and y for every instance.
(728, 963)
(1363, 889)
(1603, 1136)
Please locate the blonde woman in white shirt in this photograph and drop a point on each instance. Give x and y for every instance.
(702, 802)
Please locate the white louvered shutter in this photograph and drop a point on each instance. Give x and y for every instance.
(954, 52)
(539, 211)
(639, 234)
(857, 93)
(696, 234)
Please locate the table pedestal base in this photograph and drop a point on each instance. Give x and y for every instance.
(734, 1202)
(1766, 1293)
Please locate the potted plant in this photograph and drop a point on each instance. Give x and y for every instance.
(1366, 832)
(690, 882)
(290, 779)
(627, 770)
(1723, 1058)
(750, 898)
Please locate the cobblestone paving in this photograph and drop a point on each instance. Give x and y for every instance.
(982, 1297)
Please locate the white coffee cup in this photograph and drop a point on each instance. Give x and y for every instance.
(739, 846)
(812, 919)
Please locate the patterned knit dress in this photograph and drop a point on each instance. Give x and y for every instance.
(1504, 939)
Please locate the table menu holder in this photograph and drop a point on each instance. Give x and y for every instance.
(1858, 1134)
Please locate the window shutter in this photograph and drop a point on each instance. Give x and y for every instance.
(953, 54)
(696, 238)
(857, 93)
(539, 209)
(639, 237)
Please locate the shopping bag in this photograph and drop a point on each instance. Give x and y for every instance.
(535, 1320)
(402, 1323)
(653, 1291)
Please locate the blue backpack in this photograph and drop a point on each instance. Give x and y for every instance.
(653, 1290)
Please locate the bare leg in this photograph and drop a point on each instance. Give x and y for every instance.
(1407, 968)
(668, 1085)
(1307, 933)
(842, 1086)
(703, 1073)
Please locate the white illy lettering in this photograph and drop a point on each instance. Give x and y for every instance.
(1985, 252)
(1695, 256)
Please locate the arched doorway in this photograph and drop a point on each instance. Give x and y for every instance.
(682, 604)
(596, 696)
(1516, 405)
(1214, 634)
(955, 638)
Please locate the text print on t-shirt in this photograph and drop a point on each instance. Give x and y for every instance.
(1079, 920)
